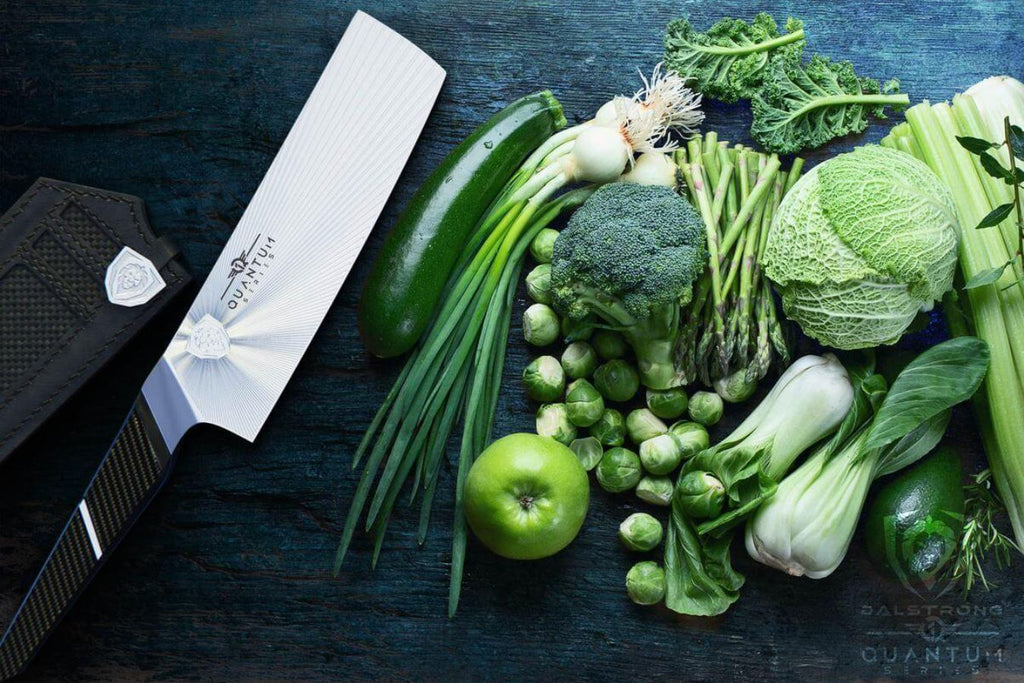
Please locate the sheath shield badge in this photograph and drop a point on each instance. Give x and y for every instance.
(132, 279)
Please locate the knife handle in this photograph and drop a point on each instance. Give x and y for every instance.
(132, 472)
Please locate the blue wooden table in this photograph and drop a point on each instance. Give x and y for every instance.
(227, 575)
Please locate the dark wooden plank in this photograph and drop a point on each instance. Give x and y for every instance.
(227, 575)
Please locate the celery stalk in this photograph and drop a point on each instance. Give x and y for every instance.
(997, 310)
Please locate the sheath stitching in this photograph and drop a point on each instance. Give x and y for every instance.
(52, 279)
(172, 278)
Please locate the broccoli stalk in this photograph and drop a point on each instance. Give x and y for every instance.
(629, 256)
(652, 337)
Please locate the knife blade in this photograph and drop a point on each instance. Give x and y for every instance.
(260, 306)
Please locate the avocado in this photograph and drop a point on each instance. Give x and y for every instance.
(916, 518)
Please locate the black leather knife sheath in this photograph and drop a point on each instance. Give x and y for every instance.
(81, 272)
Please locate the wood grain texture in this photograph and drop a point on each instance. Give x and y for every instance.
(227, 575)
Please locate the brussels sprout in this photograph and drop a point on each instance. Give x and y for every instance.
(660, 454)
(579, 360)
(691, 437)
(706, 408)
(655, 490)
(641, 425)
(576, 330)
(543, 245)
(701, 495)
(583, 403)
(589, 450)
(553, 421)
(609, 344)
(540, 325)
(737, 387)
(544, 379)
(610, 428)
(667, 403)
(640, 532)
(617, 380)
(645, 583)
(619, 470)
(538, 284)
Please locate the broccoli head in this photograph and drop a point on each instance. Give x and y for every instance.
(629, 255)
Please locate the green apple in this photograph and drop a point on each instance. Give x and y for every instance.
(526, 496)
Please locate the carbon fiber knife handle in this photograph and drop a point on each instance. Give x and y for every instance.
(131, 474)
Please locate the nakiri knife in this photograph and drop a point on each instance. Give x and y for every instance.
(260, 306)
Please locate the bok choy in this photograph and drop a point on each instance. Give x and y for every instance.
(806, 527)
(718, 487)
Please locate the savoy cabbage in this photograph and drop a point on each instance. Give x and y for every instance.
(861, 244)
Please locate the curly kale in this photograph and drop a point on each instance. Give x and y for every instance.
(728, 61)
(629, 255)
(801, 107)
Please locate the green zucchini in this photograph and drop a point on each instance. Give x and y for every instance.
(916, 518)
(410, 272)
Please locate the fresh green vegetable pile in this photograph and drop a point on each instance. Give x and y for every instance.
(666, 276)
(987, 119)
(455, 370)
(804, 524)
(636, 452)
(731, 332)
(807, 526)
(796, 106)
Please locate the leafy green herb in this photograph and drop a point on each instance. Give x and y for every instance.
(975, 145)
(1013, 175)
(801, 107)
(1017, 136)
(729, 60)
(981, 537)
(995, 216)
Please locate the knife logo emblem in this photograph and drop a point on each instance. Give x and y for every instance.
(209, 340)
(246, 270)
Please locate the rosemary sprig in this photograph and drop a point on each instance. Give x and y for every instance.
(981, 536)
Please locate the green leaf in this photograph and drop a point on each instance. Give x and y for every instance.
(801, 107)
(696, 579)
(995, 169)
(1017, 138)
(935, 381)
(975, 145)
(987, 276)
(914, 445)
(728, 60)
(869, 394)
(995, 216)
